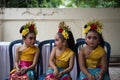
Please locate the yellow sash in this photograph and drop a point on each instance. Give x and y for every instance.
(28, 53)
(63, 59)
(94, 57)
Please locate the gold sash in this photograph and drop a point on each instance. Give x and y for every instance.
(28, 53)
(63, 59)
(94, 57)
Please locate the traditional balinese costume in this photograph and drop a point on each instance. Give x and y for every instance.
(62, 62)
(26, 59)
(93, 64)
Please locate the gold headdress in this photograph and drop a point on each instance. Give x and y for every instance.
(93, 25)
(64, 29)
(30, 26)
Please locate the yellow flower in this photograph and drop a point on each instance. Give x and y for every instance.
(94, 25)
(99, 30)
(65, 34)
(25, 31)
(86, 29)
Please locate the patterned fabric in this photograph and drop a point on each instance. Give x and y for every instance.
(25, 61)
(61, 62)
(26, 76)
(50, 75)
(93, 64)
(95, 72)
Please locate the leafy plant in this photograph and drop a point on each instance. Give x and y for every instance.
(59, 3)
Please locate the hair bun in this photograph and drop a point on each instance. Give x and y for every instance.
(21, 29)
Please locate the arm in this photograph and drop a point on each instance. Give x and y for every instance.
(81, 59)
(104, 65)
(71, 64)
(51, 61)
(17, 59)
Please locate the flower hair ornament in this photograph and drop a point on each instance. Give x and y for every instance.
(30, 26)
(93, 25)
(64, 29)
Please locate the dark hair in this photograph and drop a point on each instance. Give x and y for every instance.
(70, 40)
(22, 28)
(99, 35)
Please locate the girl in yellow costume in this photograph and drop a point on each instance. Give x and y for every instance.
(62, 56)
(92, 57)
(26, 54)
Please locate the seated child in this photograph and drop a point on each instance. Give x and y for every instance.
(61, 60)
(92, 57)
(26, 54)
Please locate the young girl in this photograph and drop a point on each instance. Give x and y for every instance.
(62, 56)
(26, 54)
(92, 57)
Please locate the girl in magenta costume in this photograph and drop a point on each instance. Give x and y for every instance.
(26, 54)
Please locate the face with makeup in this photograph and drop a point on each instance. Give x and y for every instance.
(92, 39)
(30, 39)
(60, 40)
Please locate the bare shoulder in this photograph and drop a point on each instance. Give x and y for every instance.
(81, 51)
(37, 47)
(19, 47)
(53, 50)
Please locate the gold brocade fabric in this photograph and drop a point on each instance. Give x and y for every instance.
(62, 60)
(93, 60)
(28, 53)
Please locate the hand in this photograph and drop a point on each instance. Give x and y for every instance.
(23, 71)
(55, 73)
(60, 74)
(18, 72)
(91, 77)
(100, 77)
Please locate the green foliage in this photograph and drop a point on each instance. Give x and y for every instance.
(33, 3)
(50, 3)
(59, 3)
